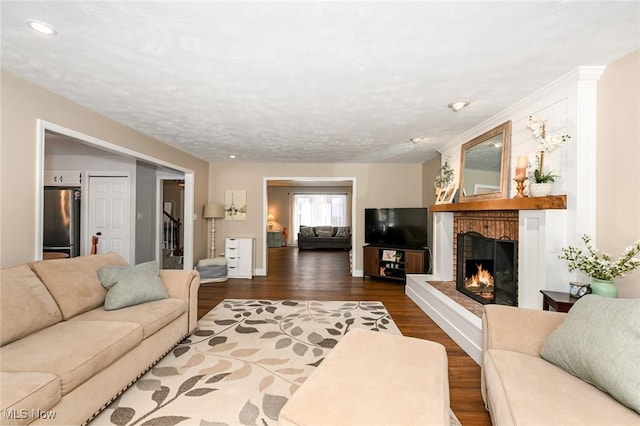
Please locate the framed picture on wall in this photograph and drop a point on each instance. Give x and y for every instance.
(235, 204)
(168, 207)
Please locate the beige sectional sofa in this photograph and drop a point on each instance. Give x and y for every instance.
(519, 387)
(63, 356)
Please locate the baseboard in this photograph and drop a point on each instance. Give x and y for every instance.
(461, 325)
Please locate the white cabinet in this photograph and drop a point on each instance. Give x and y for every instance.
(239, 254)
(53, 178)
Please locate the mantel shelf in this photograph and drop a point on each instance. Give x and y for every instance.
(526, 203)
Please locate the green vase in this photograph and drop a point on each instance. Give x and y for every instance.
(603, 288)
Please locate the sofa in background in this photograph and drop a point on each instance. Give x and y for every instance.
(538, 366)
(324, 237)
(63, 357)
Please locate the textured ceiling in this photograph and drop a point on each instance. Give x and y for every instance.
(308, 81)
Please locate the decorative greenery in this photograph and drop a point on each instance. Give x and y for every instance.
(547, 144)
(539, 176)
(599, 265)
(446, 176)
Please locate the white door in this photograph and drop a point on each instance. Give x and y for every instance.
(109, 214)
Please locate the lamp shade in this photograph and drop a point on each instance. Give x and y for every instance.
(271, 217)
(213, 211)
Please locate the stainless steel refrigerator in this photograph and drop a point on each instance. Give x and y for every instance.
(61, 230)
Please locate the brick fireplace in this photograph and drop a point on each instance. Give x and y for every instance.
(538, 225)
(487, 268)
(489, 223)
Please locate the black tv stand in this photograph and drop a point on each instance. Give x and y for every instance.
(394, 263)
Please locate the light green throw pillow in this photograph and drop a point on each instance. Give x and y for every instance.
(599, 342)
(131, 285)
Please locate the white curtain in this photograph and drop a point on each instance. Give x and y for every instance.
(319, 210)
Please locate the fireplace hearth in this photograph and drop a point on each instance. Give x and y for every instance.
(486, 268)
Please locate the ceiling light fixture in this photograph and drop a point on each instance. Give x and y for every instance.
(418, 140)
(41, 27)
(457, 106)
(232, 156)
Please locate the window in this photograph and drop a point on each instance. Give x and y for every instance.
(320, 210)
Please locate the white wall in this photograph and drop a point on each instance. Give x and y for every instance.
(554, 107)
(598, 166)
(569, 107)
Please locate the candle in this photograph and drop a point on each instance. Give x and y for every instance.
(521, 166)
(523, 162)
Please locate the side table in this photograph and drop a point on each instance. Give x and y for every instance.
(274, 239)
(559, 301)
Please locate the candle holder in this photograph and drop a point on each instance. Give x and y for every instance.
(520, 180)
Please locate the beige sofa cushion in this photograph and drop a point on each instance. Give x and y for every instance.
(72, 350)
(152, 316)
(22, 393)
(527, 390)
(74, 282)
(26, 305)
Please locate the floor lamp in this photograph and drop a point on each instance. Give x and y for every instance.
(213, 212)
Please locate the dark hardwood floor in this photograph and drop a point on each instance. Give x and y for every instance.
(324, 275)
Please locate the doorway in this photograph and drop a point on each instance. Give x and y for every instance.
(277, 209)
(108, 216)
(60, 148)
(172, 220)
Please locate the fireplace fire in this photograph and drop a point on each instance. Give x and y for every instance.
(487, 268)
(482, 277)
(479, 278)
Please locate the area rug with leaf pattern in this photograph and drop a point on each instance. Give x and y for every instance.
(243, 363)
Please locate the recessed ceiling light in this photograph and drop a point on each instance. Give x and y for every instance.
(232, 156)
(41, 27)
(458, 105)
(418, 140)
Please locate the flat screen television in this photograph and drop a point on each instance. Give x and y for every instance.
(396, 227)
